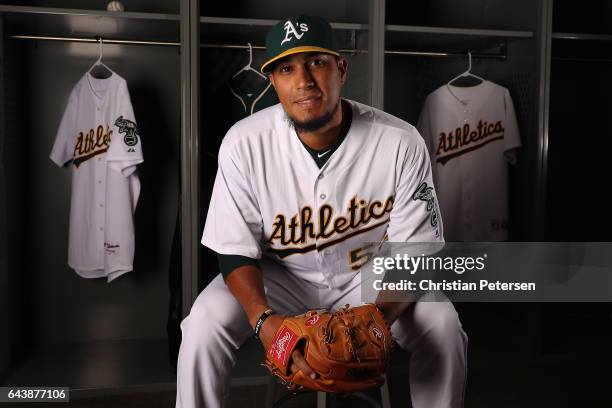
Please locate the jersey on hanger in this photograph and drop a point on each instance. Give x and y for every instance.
(468, 131)
(249, 96)
(99, 140)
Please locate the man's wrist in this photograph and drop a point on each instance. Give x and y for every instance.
(260, 321)
(255, 313)
(387, 312)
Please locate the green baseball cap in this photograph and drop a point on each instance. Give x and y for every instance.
(298, 34)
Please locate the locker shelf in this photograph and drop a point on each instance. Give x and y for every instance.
(459, 31)
(224, 30)
(257, 22)
(581, 36)
(83, 12)
(449, 39)
(90, 23)
(582, 47)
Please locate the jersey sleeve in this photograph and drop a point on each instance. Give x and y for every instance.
(415, 216)
(125, 150)
(424, 126)
(63, 147)
(512, 138)
(233, 225)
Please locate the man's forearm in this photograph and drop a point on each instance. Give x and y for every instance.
(389, 303)
(246, 284)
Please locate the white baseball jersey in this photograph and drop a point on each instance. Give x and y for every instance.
(468, 130)
(270, 198)
(99, 139)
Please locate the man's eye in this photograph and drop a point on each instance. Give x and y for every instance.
(317, 62)
(284, 68)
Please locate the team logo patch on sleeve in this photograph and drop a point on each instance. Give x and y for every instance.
(281, 347)
(130, 130)
(425, 193)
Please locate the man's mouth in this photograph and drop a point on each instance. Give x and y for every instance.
(308, 101)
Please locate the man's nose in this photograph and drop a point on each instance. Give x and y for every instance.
(304, 78)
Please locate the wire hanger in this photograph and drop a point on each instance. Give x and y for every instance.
(248, 66)
(467, 73)
(99, 62)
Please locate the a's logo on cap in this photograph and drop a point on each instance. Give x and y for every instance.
(290, 29)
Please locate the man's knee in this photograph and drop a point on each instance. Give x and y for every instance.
(440, 320)
(434, 322)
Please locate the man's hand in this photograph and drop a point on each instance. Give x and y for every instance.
(392, 310)
(269, 328)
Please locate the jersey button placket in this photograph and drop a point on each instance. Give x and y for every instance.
(100, 166)
(320, 190)
(466, 115)
(468, 201)
(319, 198)
(100, 196)
(326, 264)
(467, 182)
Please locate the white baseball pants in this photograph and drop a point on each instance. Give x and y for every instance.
(217, 326)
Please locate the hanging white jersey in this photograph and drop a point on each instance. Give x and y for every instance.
(468, 131)
(99, 140)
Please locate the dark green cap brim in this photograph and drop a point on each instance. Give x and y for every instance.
(296, 50)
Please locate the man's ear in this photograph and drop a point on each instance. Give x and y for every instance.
(342, 67)
(271, 78)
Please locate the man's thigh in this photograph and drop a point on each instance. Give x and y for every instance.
(285, 292)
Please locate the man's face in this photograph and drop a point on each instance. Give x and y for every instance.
(308, 86)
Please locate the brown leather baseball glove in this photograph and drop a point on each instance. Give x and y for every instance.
(349, 350)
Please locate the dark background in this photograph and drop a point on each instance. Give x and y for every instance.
(57, 328)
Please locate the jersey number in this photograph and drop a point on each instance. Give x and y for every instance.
(360, 256)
